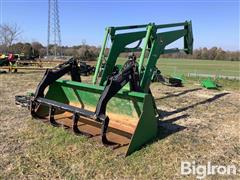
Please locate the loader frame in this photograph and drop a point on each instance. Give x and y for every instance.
(132, 112)
(154, 42)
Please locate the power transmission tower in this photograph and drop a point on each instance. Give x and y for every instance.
(54, 33)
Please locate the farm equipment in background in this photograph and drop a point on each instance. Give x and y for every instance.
(14, 56)
(209, 84)
(175, 81)
(86, 69)
(28, 57)
(11, 61)
(3, 60)
(116, 69)
(20, 61)
(8, 61)
(123, 118)
(157, 76)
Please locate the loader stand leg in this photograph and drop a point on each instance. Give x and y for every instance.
(75, 129)
(51, 117)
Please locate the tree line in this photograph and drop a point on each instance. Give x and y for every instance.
(214, 53)
(11, 33)
(87, 52)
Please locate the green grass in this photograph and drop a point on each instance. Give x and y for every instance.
(199, 130)
(185, 66)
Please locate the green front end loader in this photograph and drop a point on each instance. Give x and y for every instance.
(121, 118)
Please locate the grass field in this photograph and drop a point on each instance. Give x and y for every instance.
(185, 66)
(181, 67)
(196, 125)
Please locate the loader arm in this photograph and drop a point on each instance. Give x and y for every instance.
(130, 74)
(51, 75)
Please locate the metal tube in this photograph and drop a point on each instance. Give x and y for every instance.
(145, 25)
(141, 60)
(100, 57)
(173, 50)
(171, 25)
(49, 19)
(130, 27)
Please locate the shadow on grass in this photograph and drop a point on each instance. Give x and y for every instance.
(22, 73)
(209, 100)
(168, 126)
(178, 94)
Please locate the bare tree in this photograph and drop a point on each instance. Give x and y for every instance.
(9, 33)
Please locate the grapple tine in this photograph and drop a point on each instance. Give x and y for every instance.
(74, 124)
(104, 131)
(32, 109)
(51, 117)
(105, 141)
(75, 129)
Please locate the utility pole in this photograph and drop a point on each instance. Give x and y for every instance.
(54, 33)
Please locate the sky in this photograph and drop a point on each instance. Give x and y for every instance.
(215, 22)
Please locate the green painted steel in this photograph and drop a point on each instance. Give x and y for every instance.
(209, 84)
(147, 127)
(154, 42)
(126, 106)
(188, 39)
(87, 95)
(119, 42)
(101, 56)
(172, 25)
(141, 60)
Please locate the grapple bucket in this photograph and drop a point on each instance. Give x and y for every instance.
(120, 117)
(132, 120)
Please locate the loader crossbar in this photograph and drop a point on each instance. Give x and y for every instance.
(66, 107)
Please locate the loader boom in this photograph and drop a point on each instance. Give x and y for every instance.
(154, 42)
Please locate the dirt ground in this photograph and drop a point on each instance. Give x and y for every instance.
(196, 125)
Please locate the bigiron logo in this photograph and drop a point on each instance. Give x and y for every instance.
(201, 171)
